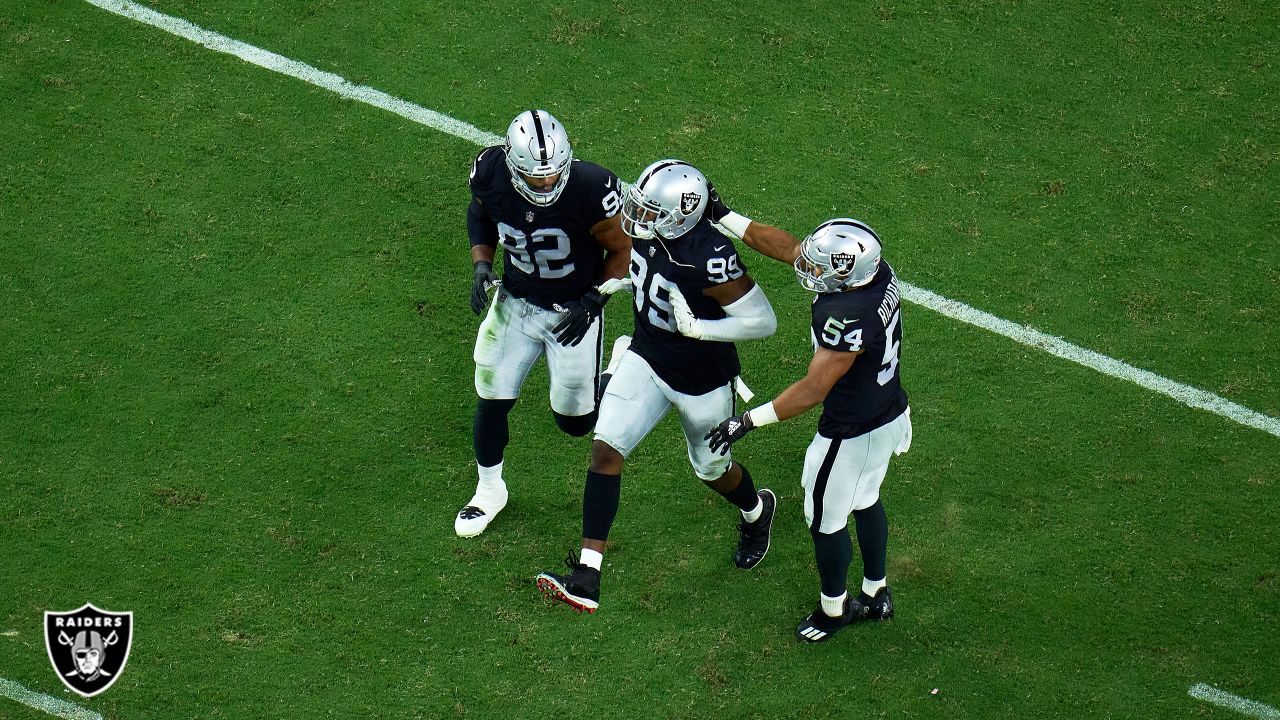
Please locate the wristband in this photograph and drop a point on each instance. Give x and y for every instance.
(763, 415)
(735, 223)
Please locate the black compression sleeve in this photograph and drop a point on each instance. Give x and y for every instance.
(480, 228)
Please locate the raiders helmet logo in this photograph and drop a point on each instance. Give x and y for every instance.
(842, 263)
(88, 647)
(689, 202)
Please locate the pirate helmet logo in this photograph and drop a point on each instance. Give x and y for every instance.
(88, 647)
(689, 202)
(842, 263)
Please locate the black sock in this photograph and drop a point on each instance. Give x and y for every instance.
(833, 552)
(576, 425)
(489, 433)
(600, 504)
(744, 496)
(873, 539)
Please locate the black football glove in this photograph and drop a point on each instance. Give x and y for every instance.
(729, 432)
(581, 313)
(482, 278)
(715, 206)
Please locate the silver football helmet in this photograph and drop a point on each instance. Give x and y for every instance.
(667, 201)
(539, 156)
(838, 255)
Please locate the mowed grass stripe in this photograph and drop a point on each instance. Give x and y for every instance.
(1184, 394)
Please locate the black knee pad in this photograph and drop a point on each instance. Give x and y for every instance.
(576, 425)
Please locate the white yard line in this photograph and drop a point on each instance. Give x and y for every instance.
(301, 71)
(1054, 345)
(1222, 698)
(1185, 394)
(45, 703)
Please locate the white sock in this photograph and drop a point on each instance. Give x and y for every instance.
(833, 606)
(871, 587)
(490, 479)
(753, 514)
(591, 558)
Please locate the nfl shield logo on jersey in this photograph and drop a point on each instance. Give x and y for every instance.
(842, 263)
(88, 647)
(528, 216)
(689, 202)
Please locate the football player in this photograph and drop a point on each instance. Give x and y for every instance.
(557, 221)
(855, 375)
(693, 300)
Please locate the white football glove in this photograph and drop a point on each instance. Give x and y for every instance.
(686, 322)
(613, 285)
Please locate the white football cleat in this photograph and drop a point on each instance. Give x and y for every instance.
(476, 516)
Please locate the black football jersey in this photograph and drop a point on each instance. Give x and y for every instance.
(699, 259)
(866, 319)
(549, 254)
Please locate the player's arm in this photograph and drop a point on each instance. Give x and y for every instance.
(617, 247)
(771, 241)
(750, 315)
(765, 239)
(826, 367)
(808, 392)
(483, 233)
(608, 234)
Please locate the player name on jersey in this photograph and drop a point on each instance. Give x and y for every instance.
(889, 305)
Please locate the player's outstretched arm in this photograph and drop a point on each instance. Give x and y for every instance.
(765, 239)
(771, 241)
(750, 315)
(825, 369)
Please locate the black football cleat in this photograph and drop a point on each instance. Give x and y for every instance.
(580, 587)
(819, 626)
(879, 607)
(753, 538)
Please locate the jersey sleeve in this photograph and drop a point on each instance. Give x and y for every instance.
(603, 196)
(719, 263)
(482, 169)
(840, 326)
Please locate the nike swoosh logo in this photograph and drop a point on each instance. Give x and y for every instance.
(721, 248)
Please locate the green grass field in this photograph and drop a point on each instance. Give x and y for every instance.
(236, 380)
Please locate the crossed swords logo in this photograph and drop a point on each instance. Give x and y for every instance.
(89, 650)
